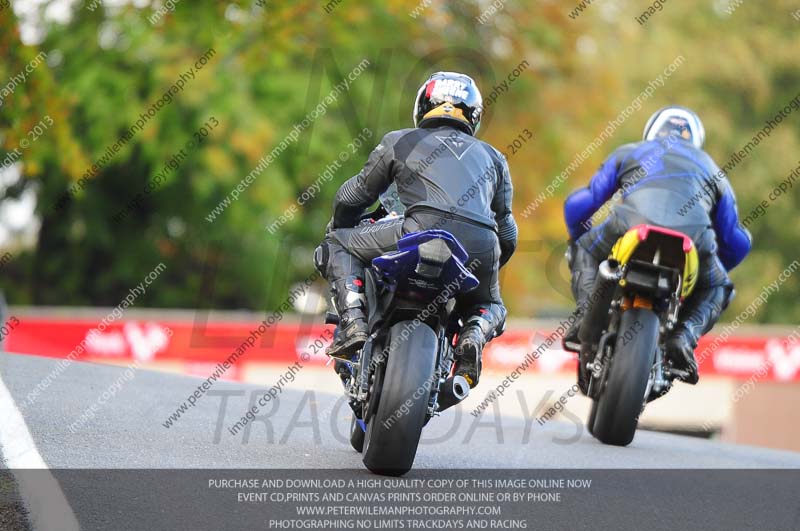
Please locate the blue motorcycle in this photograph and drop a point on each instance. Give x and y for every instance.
(403, 375)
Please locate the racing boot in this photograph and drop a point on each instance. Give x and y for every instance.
(680, 351)
(584, 271)
(469, 348)
(570, 341)
(352, 332)
(698, 316)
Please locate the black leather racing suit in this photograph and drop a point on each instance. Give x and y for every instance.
(447, 180)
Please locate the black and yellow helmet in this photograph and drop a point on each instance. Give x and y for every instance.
(449, 96)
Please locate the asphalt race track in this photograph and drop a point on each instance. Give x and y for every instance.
(308, 430)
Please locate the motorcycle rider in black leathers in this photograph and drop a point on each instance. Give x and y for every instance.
(447, 180)
(669, 181)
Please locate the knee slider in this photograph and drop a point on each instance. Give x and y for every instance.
(321, 256)
(717, 297)
(730, 294)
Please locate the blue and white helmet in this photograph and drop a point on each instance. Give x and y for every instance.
(676, 120)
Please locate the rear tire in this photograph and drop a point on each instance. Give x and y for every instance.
(622, 400)
(393, 432)
(592, 417)
(356, 435)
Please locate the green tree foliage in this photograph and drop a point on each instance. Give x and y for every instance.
(275, 61)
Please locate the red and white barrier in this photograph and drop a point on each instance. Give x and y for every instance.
(199, 348)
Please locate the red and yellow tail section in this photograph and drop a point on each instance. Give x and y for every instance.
(628, 245)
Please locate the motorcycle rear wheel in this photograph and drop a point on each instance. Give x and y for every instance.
(622, 400)
(356, 435)
(592, 417)
(394, 431)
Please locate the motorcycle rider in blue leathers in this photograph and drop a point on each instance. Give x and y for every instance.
(669, 181)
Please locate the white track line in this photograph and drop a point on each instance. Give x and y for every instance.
(41, 493)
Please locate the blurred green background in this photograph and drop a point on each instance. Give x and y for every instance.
(274, 61)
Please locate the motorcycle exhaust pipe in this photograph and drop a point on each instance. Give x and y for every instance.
(596, 312)
(454, 390)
